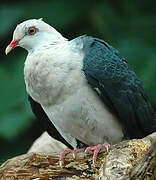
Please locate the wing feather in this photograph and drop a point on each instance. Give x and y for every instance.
(120, 88)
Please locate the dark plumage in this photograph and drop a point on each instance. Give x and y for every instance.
(119, 88)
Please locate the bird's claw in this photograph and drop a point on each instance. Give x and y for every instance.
(74, 153)
(96, 150)
(61, 163)
(106, 145)
(64, 153)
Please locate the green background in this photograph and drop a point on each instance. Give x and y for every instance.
(130, 26)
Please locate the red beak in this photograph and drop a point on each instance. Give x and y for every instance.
(11, 46)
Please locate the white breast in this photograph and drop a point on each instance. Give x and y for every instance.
(57, 82)
(51, 73)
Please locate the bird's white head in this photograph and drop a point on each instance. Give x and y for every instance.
(33, 33)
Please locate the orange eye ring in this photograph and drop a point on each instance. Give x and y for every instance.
(32, 30)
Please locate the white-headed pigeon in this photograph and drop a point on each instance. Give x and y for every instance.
(82, 89)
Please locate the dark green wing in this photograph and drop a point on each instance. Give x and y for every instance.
(118, 86)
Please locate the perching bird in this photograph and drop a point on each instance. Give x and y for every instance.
(84, 88)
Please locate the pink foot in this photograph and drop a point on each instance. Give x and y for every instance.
(96, 150)
(64, 153)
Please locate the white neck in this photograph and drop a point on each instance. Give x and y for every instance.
(41, 39)
(47, 69)
(48, 42)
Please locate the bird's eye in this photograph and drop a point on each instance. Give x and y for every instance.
(32, 30)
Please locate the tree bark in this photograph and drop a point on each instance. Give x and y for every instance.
(131, 159)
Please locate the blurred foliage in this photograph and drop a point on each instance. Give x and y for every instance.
(130, 26)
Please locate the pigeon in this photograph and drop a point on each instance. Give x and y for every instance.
(83, 89)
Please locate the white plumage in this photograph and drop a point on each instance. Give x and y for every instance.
(54, 78)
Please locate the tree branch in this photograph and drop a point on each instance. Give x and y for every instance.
(132, 159)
